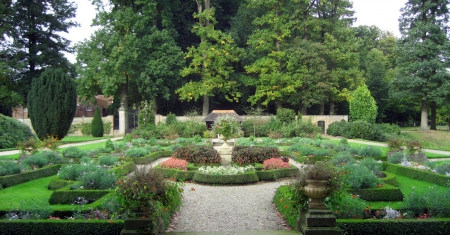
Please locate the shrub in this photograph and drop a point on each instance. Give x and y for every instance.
(246, 178)
(52, 103)
(74, 152)
(255, 154)
(359, 177)
(227, 126)
(12, 132)
(197, 154)
(443, 168)
(137, 152)
(362, 105)
(342, 158)
(107, 160)
(372, 165)
(285, 116)
(415, 203)
(35, 160)
(275, 163)
(101, 178)
(171, 119)
(328, 145)
(397, 157)
(413, 146)
(109, 145)
(369, 151)
(74, 171)
(11, 180)
(350, 207)
(9, 168)
(225, 170)
(97, 124)
(174, 163)
(337, 128)
(394, 143)
(52, 157)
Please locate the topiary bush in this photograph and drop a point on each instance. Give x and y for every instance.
(174, 163)
(97, 124)
(197, 154)
(255, 154)
(74, 152)
(12, 132)
(337, 128)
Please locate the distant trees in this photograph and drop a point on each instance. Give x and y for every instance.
(52, 102)
(424, 52)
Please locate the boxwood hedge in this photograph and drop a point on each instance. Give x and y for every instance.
(11, 180)
(418, 174)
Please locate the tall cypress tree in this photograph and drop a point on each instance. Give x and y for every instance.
(52, 103)
(97, 124)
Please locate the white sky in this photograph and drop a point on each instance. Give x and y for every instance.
(382, 13)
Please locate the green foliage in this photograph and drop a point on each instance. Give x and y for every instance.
(171, 119)
(35, 160)
(337, 128)
(350, 208)
(135, 152)
(443, 168)
(74, 152)
(9, 168)
(12, 132)
(57, 183)
(97, 124)
(342, 158)
(146, 115)
(67, 196)
(11, 180)
(358, 177)
(395, 143)
(427, 176)
(369, 151)
(127, 138)
(362, 105)
(227, 126)
(52, 104)
(152, 157)
(285, 116)
(109, 145)
(405, 226)
(255, 154)
(74, 171)
(197, 154)
(100, 178)
(107, 160)
(363, 130)
(385, 193)
(397, 157)
(69, 227)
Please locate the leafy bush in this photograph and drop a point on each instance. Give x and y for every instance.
(12, 132)
(397, 157)
(227, 127)
(285, 116)
(359, 177)
(139, 142)
(137, 152)
(342, 158)
(9, 168)
(255, 154)
(74, 171)
(418, 174)
(120, 145)
(197, 154)
(11, 180)
(372, 165)
(369, 151)
(415, 203)
(275, 163)
(395, 143)
(52, 157)
(74, 152)
(246, 178)
(35, 160)
(101, 178)
(443, 168)
(171, 119)
(328, 145)
(351, 207)
(107, 160)
(337, 128)
(109, 145)
(174, 163)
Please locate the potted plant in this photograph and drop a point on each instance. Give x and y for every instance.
(394, 144)
(414, 149)
(318, 181)
(30, 145)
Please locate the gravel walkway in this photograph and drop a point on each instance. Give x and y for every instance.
(207, 208)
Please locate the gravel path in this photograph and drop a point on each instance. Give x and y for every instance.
(228, 208)
(207, 208)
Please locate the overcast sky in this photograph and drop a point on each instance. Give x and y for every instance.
(382, 13)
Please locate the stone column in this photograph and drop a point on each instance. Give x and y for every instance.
(123, 121)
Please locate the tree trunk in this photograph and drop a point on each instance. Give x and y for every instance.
(433, 116)
(205, 111)
(424, 116)
(322, 108)
(331, 106)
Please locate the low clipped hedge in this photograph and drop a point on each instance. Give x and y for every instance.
(67, 196)
(272, 175)
(176, 174)
(124, 169)
(386, 193)
(412, 173)
(57, 183)
(151, 157)
(246, 178)
(390, 179)
(253, 154)
(394, 226)
(67, 227)
(11, 180)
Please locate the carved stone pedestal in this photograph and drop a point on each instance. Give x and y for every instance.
(317, 222)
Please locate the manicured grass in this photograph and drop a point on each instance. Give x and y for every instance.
(10, 157)
(439, 140)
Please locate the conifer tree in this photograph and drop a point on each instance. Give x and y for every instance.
(97, 124)
(52, 103)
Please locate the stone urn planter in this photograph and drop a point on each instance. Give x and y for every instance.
(317, 190)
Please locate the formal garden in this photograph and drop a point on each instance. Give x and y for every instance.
(97, 188)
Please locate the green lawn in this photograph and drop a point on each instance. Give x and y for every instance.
(78, 139)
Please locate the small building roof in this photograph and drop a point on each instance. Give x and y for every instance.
(214, 115)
